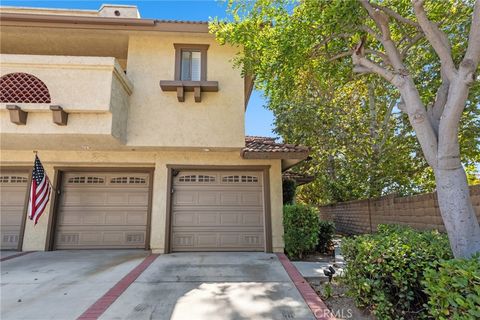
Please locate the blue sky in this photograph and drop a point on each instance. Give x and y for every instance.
(259, 121)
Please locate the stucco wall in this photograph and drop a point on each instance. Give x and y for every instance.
(84, 85)
(157, 118)
(36, 236)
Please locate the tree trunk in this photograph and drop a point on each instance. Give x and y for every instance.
(457, 211)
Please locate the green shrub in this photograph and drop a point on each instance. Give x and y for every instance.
(326, 230)
(385, 270)
(289, 187)
(300, 224)
(453, 289)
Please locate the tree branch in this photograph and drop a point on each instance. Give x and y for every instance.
(435, 110)
(386, 122)
(472, 56)
(341, 55)
(395, 15)
(381, 20)
(449, 150)
(436, 37)
(381, 55)
(371, 32)
(363, 65)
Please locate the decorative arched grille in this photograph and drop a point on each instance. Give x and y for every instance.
(23, 88)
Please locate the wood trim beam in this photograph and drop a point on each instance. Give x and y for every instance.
(17, 115)
(59, 116)
(189, 86)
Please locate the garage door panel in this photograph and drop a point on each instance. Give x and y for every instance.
(11, 217)
(217, 219)
(126, 198)
(103, 210)
(74, 196)
(13, 188)
(218, 241)
(77, 216)
(251, 198)
(230, 198)
(229, 219)
(207, 198)
(252, 220)
(13, 196)
(186, 198)
(207, 219)
(100, 239)
(77, 196)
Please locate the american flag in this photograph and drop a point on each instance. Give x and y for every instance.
(39, 191)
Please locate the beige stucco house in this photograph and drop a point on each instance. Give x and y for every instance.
(139, 124)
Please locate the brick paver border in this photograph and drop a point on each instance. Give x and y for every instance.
(318, 307)
(15, 255)
(102, 304)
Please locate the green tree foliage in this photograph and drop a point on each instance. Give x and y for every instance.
(362, 145)
(289, 189)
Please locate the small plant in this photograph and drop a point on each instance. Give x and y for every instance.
(327, 290)
(326, 230)
(385, 270)
(453, 289)
(300, 229)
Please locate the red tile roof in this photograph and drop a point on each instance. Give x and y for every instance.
(267, 145)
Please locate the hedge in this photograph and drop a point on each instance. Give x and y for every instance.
(453, 289)
(300, 223)
(385, 270)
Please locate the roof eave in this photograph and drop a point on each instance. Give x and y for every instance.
(63, 21)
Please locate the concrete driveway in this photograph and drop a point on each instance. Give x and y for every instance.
(193, 286)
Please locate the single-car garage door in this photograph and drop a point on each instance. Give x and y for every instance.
(13, 187)
(102, 210)
(217, 211)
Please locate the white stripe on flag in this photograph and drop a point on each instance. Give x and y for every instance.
(41, 207)
(42, 192)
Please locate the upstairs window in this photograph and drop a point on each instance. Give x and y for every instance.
(191, 62)
(191, 66)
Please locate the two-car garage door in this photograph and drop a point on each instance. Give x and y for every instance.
(210, 210)
(217, 211)
(102, 210)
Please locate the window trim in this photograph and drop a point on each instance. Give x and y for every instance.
(202, 48)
